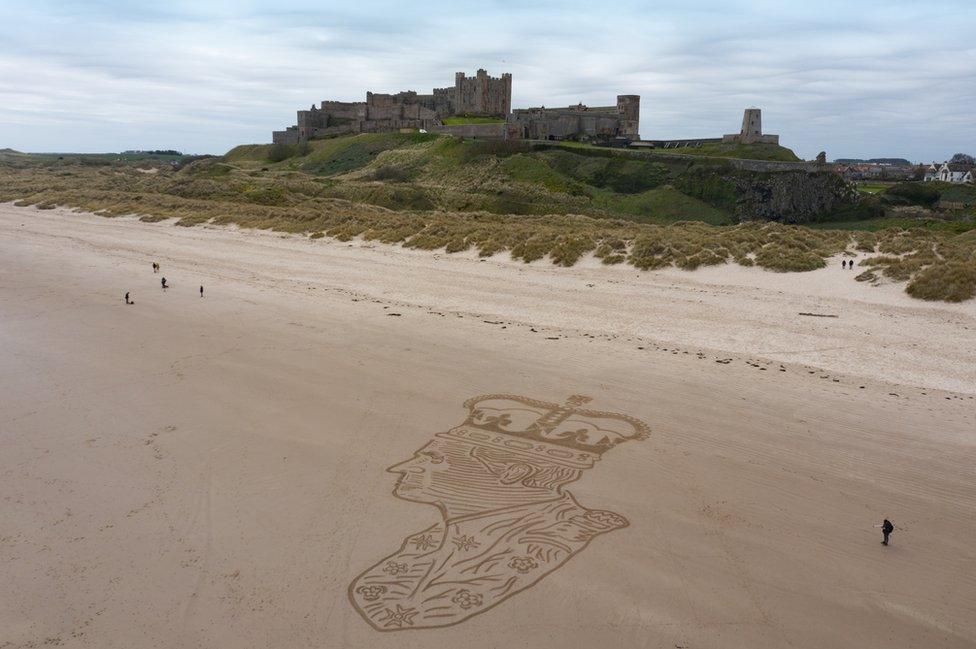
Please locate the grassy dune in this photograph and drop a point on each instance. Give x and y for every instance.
(430, 192)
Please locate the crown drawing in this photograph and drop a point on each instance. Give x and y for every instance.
(566, 434)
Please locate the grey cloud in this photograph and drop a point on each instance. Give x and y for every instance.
(854, 79)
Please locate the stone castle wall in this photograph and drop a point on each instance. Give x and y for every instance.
(499, 131)
(580, 122)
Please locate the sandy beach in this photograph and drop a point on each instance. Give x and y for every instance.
(212, 472)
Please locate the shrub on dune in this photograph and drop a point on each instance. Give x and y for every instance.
(783, 259)
(952, 282)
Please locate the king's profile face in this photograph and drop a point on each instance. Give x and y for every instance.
(447, 471)
(420, 474)
(457, 475)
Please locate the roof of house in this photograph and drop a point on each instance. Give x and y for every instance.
(958, 166)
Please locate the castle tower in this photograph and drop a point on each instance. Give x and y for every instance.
(751, 124)
(505, 94)
(628, 107)
(482, 94)
(751, 132)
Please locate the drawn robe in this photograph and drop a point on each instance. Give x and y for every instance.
(464, 566)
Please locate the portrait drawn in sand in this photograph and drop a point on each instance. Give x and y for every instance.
(498, 480)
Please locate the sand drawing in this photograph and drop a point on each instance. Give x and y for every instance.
(498, 481)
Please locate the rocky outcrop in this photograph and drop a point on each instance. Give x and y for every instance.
(791, 196)
(788, 196)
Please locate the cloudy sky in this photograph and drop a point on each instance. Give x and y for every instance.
(855, 78)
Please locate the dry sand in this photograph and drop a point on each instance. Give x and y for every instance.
(191, 472)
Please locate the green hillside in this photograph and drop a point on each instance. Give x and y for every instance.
(427, 171)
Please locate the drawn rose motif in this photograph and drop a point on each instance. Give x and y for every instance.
(522, 564)
(371, 593)
(466, 599)
(394, 568)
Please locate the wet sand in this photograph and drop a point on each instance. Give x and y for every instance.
(211, 472)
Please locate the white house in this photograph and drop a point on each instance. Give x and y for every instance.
(970, 176)
(932, 172)
(952, 172)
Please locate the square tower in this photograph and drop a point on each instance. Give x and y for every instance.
(751, 124)
(482, 95)
(628, 108)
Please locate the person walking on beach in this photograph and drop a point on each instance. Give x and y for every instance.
(843, 263)
(163, 282)
(201, 290)
(127, 298)
(886, 528)
(155, 267)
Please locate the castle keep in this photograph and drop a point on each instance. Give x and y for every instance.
(477, 96)
(482, 95)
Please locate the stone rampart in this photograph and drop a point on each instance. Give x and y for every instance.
(675, 143)
(478, 131)
(288, 136)
(741, 163)
(688, 158)
(579, 121)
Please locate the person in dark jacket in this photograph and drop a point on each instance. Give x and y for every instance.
(163, 282)
(127, 301)
(886, 529)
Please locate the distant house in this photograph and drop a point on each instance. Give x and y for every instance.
(856, 172)
(952, 172)
(970, 176)
(932, 172)
(897, 172)
(874, 171)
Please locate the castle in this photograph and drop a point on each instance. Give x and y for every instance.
(480, 96)
(481, 107)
